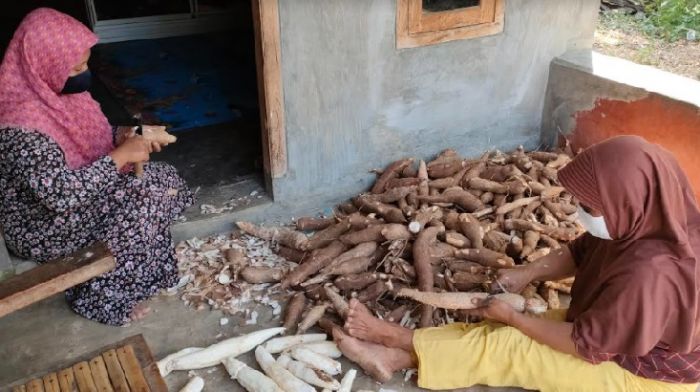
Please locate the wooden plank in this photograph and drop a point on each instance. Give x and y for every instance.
(115, 372)
(35, 385)
(83, 378)
(99, 374)
(406, 39)
(19, 388)
(132, 369)
(268, 53)
(422, 22)
(54, 277)
(66, 380)
(51, 383)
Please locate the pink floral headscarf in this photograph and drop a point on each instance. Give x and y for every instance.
(42, 52)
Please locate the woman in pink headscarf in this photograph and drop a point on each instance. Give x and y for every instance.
(65, 179)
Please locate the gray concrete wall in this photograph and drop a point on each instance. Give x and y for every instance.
(354, 102)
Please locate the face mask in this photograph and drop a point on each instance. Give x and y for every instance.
(79, 83)
(595, 225)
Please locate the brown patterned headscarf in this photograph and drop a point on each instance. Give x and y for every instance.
(639, 290)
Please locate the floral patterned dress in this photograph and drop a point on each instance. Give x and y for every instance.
(48, 211)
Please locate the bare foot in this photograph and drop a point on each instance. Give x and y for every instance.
(360, 323)
(140, 311)
(378, 361)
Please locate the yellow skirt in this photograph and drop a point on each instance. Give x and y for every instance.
(461, 355)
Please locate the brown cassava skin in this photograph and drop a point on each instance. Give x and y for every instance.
(291, 254)
(422, 217)
(472, 267)
(446, 168)
(339, 303)
(293, 312)
(549, 173)
(538, 253)
(560, 210)
(546, 191)
(558, 233)
(460, 300)
(564, 288)
(451, 220)
(312, 318)
(364, 249)
(486, 197)
(392, 171)
(465, 281)
(442, 250)
(560, 162)
(530, 240)
(255, 275)
(407, 209)
(390, 213)
(373, 291)
(370, 234)
(496, 240)
(514, 247)
(486, 257)
(529, 209)
(522, 202)
(456, 196)
(403, 182)
(423, 187)
(422, 263)
(403, 271)
(359, 221)
(549, 241)
(349, 267)
(327, 325)
(397, 314)
(318, 259)
(476, 170)
(551, 296)
(457, 239)
(470, 227)
(347, 208)
(313, 224)
(395, 231)
(485, 185)
(395, 194)
(315, 292)
(284, 236)
(409, 171)
(324, 237)
(355, 282)
(543, 156)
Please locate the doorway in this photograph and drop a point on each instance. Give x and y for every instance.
(202, 68)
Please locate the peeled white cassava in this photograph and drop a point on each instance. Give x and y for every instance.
(196, 384)
(277, 345)
(214, 354)
(316, 360)
(165, 364)
(327, 348)
(305, 373)
(250, 379)
(347, 381)
(286, 380)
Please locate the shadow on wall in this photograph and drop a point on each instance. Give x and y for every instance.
(667, 122)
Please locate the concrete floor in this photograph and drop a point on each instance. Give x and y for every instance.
(48, 335)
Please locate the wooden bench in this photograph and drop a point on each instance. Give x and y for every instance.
(54, 277)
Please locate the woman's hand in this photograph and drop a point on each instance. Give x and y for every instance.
(512, 280)
(135, 149)
(123, 133)
(494, 309)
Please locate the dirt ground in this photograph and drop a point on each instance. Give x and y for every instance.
(622, 36)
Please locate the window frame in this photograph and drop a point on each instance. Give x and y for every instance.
(415, 27)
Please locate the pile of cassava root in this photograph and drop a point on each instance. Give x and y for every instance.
(443, 228)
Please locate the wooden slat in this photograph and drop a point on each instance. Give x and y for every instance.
(54, 277)
(99, 375)
(268, 52)
(83, 377)
(35, 385)
(132, 369)
(19, 388)
(66, 380)
(114, 369)
(51, 383)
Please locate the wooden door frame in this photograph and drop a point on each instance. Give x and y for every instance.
(268, 50)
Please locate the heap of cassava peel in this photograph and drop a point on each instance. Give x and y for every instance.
(444, 226)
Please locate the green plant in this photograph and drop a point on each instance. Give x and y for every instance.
(671, 19)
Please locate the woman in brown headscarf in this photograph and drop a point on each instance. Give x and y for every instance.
(633, 324)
